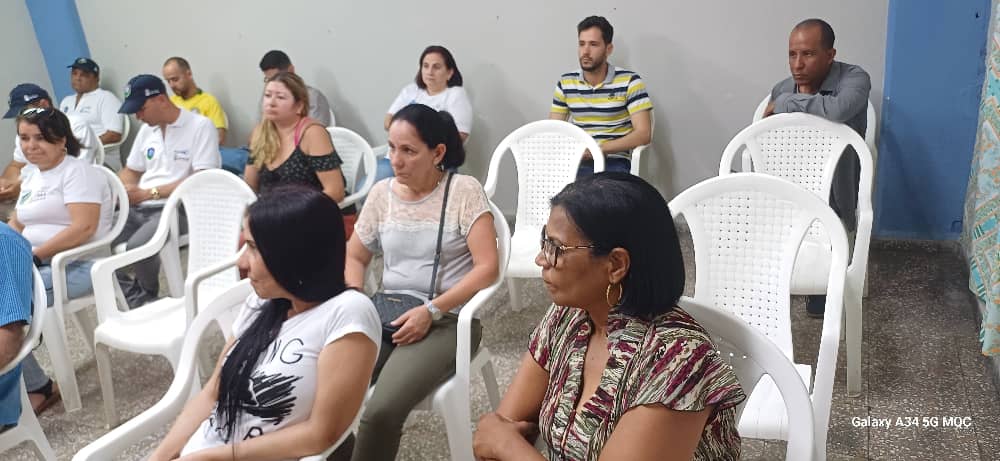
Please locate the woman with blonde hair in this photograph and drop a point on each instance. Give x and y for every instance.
(289, 147)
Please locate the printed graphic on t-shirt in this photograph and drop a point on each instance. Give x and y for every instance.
(182, 154)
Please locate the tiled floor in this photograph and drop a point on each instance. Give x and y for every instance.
(921, 360)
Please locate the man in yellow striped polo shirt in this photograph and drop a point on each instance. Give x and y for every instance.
(608, 102)
(187, 95)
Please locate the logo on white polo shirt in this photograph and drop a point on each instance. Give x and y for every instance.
(25, 195)
(149, 153)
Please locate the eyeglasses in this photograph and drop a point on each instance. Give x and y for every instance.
(551, 250)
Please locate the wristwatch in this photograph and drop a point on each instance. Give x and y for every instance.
(154, 193)
(436, 313)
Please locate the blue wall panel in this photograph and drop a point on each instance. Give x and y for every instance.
(61, 38)
(934, 69)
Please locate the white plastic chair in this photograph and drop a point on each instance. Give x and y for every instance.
(871, 127)
(357, 154)
(27, 427)
(56, 340)
(221, 311)
(114, 148)
(215, 202)
(333, 119)
(805, 149)
(546, 154)
(98, 154)
(637, 152)
(452, 398)
(752, 356)
(747, 229)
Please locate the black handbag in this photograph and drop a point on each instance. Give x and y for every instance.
(391, 305)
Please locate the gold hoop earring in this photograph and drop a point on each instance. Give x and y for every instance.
(607, 295)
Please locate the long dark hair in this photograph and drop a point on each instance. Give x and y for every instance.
(299, 233)
(449, 62)
(619, 210)
(54, 126)
(435, 128)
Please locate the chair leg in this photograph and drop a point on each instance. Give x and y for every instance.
(28, 423)
(492, 388)
(62, 364)
(86, 326)
(103, 355)
(853, 312)
(459, 427)
(170, 259)
(515, 294)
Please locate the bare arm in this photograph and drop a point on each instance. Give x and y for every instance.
(559, 116)
(10, 181)
(109, 137)
(345, 368)
(356, 262)
(639, 136)
(222, 135)
(195, 411)
(316, 142)
(84, 218)
(11, 337)
(501, 435)
(655, 432)
(130, 178)
(252, 176)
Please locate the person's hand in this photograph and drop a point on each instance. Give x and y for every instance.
(413, 326)
(135, 194)
(495, 432)
(587, 155)
(9, 189)
(769, 111)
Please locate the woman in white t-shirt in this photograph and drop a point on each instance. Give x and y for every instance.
(295, 376)
(64, 202)
(438, 84)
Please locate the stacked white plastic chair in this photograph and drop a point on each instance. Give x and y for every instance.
(56, 340)
(357, 155)
(805, 149)
(746, 229)
(871, 127)
(546, 154)
(215, 202)
(27, 428)
(221, 311)
(752, 356)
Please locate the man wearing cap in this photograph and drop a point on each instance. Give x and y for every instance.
(28, 95)
(177, 73)
(275, 61)
(99, 107)
(172, 144)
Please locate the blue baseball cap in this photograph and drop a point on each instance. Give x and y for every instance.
(86, 64)
(22, 95)
(138, 90)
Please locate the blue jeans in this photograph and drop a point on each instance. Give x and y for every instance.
(78, 283)
(610, 164)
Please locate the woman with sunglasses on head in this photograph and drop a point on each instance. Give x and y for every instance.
(615, 370)
(64, 202)
(402, 220)
(295, 376)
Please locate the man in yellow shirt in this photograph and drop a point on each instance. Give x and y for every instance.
(177, 73)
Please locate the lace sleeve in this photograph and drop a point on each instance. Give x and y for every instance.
(473, 203)
(372, 215)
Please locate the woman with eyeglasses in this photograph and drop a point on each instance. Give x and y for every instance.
(295, 376)
(64, 202)
(615, 370)
(402, 220)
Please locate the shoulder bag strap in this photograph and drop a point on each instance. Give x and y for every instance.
(437, 251)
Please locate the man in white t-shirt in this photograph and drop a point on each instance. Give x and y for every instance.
(21, 97)
(99, 107)
(172, 145)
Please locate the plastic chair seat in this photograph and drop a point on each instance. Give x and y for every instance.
(764, 414)
(149, 329)
(524, 249)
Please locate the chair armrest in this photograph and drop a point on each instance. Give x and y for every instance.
(133, 431)
(380, 151)
(193, 280)
(352, 199)
(470, 311)
(637, 159)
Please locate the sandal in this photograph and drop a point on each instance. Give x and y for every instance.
(50, 392)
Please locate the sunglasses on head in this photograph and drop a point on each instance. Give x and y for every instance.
(34, 113)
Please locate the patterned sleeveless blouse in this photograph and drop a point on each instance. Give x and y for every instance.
(669, 360)
(298, 168)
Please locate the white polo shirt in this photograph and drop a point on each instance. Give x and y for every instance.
(99, 108)
(88, 141)
(41, 207)
(190, 144)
